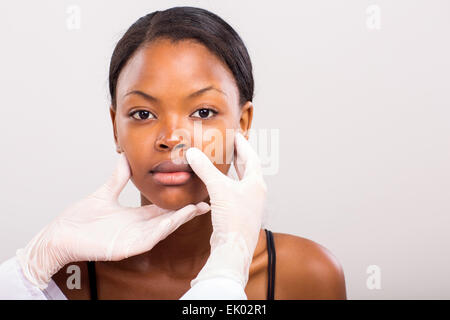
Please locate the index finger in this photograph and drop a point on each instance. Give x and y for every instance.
(247, 161)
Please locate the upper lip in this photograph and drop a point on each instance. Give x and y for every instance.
(170, 166)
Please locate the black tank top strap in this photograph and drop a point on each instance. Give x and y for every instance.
(271, 265)
(92, 280)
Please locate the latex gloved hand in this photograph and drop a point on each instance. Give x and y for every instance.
(98, 228)
(236, 211)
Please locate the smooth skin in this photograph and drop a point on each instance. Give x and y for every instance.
(171, 72)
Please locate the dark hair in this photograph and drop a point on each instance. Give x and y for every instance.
(179, 23)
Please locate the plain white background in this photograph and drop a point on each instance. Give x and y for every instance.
(363, 116)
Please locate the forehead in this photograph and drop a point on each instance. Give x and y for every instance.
(170, 70)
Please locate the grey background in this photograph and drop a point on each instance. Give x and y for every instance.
(363, 117)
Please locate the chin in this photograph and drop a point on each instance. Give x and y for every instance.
(176, 197)
(172, 197)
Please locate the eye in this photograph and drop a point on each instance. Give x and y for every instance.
(204, 112)
(143, 114)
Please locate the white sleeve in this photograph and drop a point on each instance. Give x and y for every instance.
(14, 285)
(219, 288)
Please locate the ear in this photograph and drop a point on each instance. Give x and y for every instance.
(246, 118)
(112, 112)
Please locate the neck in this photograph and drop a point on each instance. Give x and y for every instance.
(182, 253)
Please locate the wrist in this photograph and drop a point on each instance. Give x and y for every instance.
(229, 258)
(37, 258)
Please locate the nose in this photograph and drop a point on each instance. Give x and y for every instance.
(169, 143)
(169, 140)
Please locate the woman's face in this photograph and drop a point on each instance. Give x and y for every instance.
(147, 123)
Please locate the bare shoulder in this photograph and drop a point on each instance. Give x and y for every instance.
(306, 270)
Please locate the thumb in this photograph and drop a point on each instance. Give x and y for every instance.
(202, 166)
(112, 188)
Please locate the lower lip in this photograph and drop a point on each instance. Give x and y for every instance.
(172, 178)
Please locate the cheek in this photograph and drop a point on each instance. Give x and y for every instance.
(218, 145)
(138, 151)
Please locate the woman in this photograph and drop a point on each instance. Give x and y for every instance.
(176, 69)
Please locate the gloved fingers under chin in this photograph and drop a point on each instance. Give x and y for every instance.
(203, 207)
(177, 218)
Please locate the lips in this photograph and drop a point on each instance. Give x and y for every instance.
(170, 166)
(169, 173)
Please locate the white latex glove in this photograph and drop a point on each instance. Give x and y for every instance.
(236, 211)
(98, 228)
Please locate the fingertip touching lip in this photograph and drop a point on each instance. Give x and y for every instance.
(170, 166)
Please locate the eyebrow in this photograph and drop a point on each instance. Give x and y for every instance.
(192, 95)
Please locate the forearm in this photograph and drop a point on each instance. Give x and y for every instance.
(229, 258)
(225, 273)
